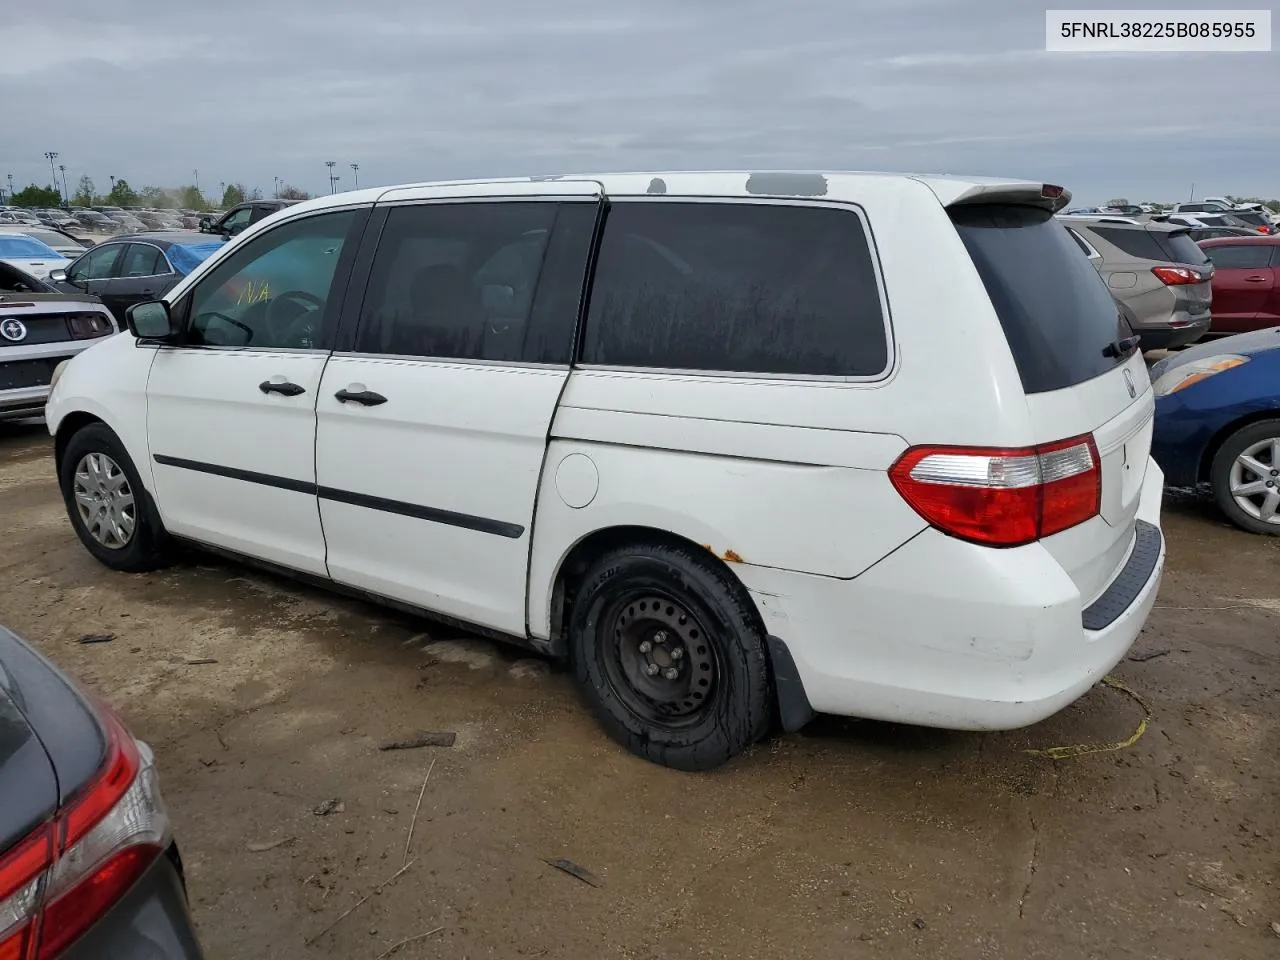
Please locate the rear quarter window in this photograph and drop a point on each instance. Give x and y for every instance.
(1132, 241)
(1057, 314)
(777, 289)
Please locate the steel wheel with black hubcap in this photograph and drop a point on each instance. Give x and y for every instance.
(670, 652)
(107, 503)
(1245, 476)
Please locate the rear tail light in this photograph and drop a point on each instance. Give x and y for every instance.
(1000, 497)
(64, 877)
(85, 326)
(1177, 276)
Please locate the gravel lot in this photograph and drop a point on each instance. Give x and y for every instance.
(853, 839)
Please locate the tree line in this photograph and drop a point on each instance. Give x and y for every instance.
(162, 198)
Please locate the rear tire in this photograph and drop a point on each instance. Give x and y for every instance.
(110, 509)
(1245, 477)
(671, 655)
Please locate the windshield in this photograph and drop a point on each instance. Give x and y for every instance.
(26, 248)
(1059, 319)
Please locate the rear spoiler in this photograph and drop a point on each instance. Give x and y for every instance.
(1046, 196)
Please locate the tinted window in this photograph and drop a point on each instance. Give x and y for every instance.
(96, 264)
(143, 260)
(1080, 242)
(236, 222)
(1179, 247)
(1056, 311)
(1242, 255)
(456, 280)
(1253, 219)
(749, 288)
(274, 291)
(1131, 241)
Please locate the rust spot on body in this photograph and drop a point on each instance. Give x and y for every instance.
(732, 556)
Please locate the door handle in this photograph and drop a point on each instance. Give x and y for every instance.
(1255, 279)
(283, 387)
(365, 397)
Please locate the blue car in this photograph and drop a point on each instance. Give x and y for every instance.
(1218, 422)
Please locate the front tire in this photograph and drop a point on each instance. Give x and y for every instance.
(670, 653)
(1245, 477)
(108, 506)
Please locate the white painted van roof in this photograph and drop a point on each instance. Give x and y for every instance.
(812, 184)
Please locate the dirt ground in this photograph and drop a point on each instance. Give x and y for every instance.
(850, 840)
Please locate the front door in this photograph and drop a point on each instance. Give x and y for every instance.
(231, 412)
(143, 273)
(92, 272)
(432, 425)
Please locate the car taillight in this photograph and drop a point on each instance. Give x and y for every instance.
(85, 326)
(1176, 276)
(65, 876)
(1000, 497)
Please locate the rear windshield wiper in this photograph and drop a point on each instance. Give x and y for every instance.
(1121, 348)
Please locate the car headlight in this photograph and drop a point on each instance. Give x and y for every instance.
(57, 372)
(1183, 376)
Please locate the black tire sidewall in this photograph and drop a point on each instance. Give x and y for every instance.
(1220, 474)
(741, 704)
(147, 549)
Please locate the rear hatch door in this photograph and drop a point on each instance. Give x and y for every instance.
(1080, 372)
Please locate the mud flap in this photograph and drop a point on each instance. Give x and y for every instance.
(794, 710)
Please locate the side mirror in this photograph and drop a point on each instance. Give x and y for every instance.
(150, 321)
(58, 276)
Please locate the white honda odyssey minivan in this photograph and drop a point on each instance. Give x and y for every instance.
(740, 447)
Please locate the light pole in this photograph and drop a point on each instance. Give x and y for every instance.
(330, 164)
(66, 197)
(11, 187)
(222, 191)
(113, 185)
(53, 155)
(276, 182)
(355, 176)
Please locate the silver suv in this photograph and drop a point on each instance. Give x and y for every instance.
(39, 328)
(1156, 270)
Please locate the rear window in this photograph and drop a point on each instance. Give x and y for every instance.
(1179, 247)
(1056, 311)
(1253, 219)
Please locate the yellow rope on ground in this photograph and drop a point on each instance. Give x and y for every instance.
(1084, 749)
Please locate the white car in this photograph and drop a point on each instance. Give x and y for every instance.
(55, 241)
(737, 446)
(30, 255)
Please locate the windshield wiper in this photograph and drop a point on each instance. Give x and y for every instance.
(1121, 348)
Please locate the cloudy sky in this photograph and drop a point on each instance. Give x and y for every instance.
(423, 89)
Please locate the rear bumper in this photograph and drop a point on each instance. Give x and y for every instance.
(948, 634)
(151, 921)
(1171, 338)
(23, 402)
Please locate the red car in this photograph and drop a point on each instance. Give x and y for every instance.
(1246, 283)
